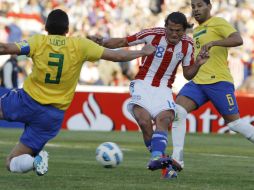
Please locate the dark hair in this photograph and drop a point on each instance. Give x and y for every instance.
(57, 22)
(178, 18)
(207, 2)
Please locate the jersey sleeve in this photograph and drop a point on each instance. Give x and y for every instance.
(90, 51)
(27, 47)
(24, 47)
(189, 57)
(138, 38)
(224, 28)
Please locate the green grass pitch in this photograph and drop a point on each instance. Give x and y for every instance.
(212, 162)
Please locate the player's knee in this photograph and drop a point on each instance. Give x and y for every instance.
(144, 122)
(146, 126)
(164, 119)
(181, 112)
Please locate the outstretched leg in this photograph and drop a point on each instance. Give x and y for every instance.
(235, 123)
(184, 106)
(178, 134)
(21, 158)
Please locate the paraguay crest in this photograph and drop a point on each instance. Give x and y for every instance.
(179, 56)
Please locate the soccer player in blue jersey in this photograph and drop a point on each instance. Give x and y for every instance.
(213, 81)
(49, 89)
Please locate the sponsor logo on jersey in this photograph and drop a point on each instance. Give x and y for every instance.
(170, 50)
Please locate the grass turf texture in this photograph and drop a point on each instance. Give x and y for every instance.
(212, 162)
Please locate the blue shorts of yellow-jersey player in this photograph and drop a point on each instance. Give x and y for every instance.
(42, 122)
(4, 91)
(221, 94)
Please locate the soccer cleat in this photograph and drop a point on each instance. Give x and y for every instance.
(176, 165)
(41, 163)
(169, 173)
(158, 163)
(163, 162)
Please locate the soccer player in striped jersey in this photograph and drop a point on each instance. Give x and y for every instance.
(151, 94)
(49, 89)
(213, 81)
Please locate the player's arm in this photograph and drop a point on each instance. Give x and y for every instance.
(111, 43)
(127, 55)
(9, 48)
(189, 72)
(232, 40)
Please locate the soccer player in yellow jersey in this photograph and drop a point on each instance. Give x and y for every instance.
(213, 81)
(49, 89)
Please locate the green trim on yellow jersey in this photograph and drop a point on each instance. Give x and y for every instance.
(57, 64)
(199, 33)
(216, 68)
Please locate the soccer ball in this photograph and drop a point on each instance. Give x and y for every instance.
(109, 154)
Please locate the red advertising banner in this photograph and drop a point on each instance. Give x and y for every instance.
(103, 111)
(99, 111)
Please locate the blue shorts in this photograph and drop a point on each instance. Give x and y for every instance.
(221, 94)
(42, 122)
(4, 91)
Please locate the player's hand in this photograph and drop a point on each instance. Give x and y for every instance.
(96, 38)
(207, 46)
(148, 49)
(202, 57)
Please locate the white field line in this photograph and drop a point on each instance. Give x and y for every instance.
(126, 149)
(59, 145)
(75, 146)
(221, 155)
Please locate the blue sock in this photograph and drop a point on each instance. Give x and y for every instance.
(159, 143)
(148, 145)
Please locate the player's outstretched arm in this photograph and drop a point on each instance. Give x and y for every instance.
(190, 72)
(9, 48)
(111, 43)
(95, 38)
(127, 55)
(232, 40)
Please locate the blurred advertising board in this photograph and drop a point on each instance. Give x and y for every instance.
(107, 111)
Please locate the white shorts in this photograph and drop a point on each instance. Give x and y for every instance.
(153, 99)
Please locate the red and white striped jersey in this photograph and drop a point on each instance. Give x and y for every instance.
(160, 68)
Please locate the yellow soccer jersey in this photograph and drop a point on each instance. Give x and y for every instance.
(216, 68)
(57, 64)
